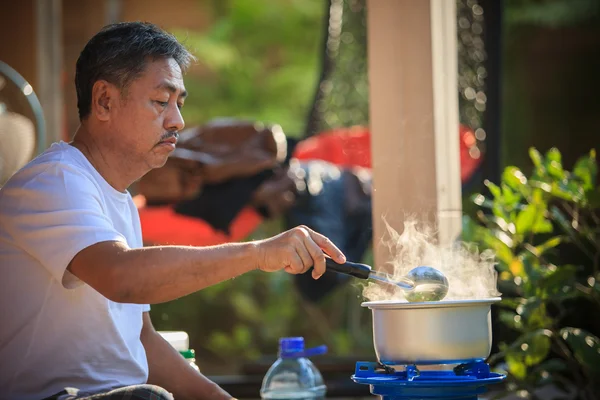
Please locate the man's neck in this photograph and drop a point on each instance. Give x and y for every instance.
(105, 162)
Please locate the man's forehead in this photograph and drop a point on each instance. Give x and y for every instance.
(165, 74)
(173, 87)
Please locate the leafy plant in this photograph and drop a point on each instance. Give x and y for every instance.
(544, 230)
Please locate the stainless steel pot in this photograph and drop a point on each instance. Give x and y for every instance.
(441, 332)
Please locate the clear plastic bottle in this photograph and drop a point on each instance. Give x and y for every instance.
(293, 375)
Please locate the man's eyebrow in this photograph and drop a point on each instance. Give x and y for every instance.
(171, 88)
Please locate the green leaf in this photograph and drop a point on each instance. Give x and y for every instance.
(516, 365)
(537, 347)
(536, 158)
(533, 272)
(494, 189)
(525, 219)
(585, 348)
(544, 247)
(528, 350)
(503, 251)
(542, 225)
(482, 201)
(554, 164)
(499, 210)
(534, 314)
(569, 190)
(586, 170)
(470, 229)
(512, 199)
(515, 179)
(511, 303)
(553, 155)
(556, 280)
(511, 319)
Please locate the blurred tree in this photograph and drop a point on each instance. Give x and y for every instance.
(258, 60)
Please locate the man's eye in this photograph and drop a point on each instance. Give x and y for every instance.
(163, 103)
(180, 105)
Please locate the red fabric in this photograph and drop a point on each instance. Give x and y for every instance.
(344, 147)
(162, 225)
(352, 147)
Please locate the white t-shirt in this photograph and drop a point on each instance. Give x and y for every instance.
(55, 330)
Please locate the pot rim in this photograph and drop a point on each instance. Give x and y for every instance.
(403, 304)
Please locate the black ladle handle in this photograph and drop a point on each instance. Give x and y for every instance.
(361, 271)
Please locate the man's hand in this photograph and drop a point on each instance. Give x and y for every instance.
(296, 250)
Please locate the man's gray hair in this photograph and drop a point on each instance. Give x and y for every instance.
(119, 54)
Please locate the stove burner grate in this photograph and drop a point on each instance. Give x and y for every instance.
(464, 382)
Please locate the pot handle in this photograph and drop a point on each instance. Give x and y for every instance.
(361, 271)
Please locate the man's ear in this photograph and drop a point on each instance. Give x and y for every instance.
(104, 96)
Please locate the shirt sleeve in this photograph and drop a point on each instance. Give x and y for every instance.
(54, 214)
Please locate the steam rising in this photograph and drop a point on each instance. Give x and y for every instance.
(471, 275)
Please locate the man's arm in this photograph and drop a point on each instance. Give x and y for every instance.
(163, 273)
(169, 370)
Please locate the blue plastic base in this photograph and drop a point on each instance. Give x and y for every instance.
(465, 382)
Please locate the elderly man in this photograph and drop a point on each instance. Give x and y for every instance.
(76, 281)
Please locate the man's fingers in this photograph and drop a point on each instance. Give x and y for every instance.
(296, 265)
(317, 257)
(304, 254)
(327, 246)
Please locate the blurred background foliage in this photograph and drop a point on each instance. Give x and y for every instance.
(275, 61)
(259, 60)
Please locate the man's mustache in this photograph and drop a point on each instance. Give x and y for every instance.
(168, 135)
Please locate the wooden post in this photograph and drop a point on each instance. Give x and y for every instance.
(414, 116)
(50, 66)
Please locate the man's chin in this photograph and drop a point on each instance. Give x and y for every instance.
(161, 163)
(158, 161)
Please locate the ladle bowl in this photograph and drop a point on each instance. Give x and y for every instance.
(430, 285)
(420, 284)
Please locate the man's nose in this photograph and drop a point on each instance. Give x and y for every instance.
(174, 120)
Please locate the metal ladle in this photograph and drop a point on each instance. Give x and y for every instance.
(420, 284)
